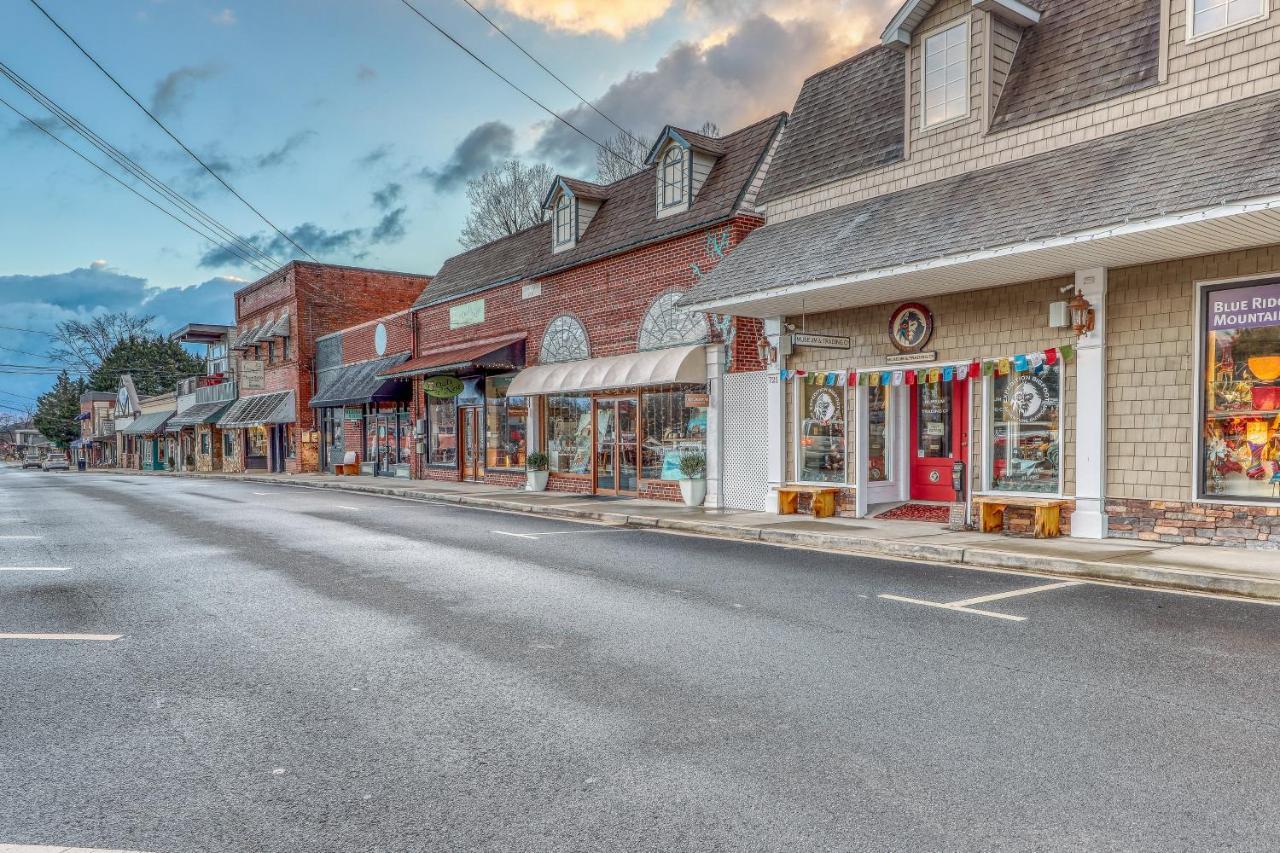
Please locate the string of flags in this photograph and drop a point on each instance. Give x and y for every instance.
(1035, 362)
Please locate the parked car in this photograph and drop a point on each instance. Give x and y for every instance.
(55, 462)
(31, 460)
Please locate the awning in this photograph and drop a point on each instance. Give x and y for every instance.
(654, 367)
(148, 424)
(83, 416)
(275, 408)
(80, 442)
(500, 353)
(353, 384)
(200, 413)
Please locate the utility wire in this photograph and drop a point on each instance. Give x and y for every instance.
(504, 79)
(170, 133)
(165, 211)
(552, 74)
(240, 247)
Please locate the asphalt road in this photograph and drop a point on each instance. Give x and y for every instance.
(305, 670)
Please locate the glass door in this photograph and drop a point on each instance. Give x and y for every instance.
(471, 450)
(617, 448)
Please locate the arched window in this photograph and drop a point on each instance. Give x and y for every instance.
(666, 325)
(564, 340)
(673, 173)
(564, 220)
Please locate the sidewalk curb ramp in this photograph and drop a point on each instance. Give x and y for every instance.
(1155, 576)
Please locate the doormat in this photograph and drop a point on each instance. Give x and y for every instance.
(937, 513)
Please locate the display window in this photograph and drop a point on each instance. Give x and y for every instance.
(822, 453)
(442, 431)
(1240, 407)
(229, 444)
(1024, 436)
(256, 438)
(506, 424)
(568, 431)
(674, 421)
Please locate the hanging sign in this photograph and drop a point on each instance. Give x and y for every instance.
(910, 327)
(442, 387)
(912, 357)
(805, 339)
(252, 374)
(353, 413)
(696, 400)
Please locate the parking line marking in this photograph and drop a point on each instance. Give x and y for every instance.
(344, 506)
(517, 535)
(105, 638)
(34, 568)
(563, 532)
(943, 606)
(17, 536)
(964, 605)
(999, 595)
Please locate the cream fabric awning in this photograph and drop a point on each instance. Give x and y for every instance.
(655, 367)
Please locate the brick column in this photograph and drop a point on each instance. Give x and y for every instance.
(1089, 521)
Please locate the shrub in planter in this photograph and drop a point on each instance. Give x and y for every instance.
(693, 482)
(536, 474)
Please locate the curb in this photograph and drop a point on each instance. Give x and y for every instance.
(1152, 576)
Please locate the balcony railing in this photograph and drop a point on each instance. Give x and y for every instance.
(219, 393)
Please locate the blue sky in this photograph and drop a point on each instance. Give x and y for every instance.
(350, 123)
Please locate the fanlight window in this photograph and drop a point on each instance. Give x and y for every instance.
(564, 340)
(564, 220)
(673, 172)
(666, 325)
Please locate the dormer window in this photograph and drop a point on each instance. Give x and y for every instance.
(672, 176)
(564, 220)
(1211, 16)
(946, 75)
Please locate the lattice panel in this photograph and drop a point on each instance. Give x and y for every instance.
(745, 422)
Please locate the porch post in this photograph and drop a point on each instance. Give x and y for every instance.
(861, 400)
(775, 450)
(1089, 521)
(715, 391)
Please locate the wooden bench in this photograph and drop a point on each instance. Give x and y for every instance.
(822, 499)
(1048, 513)
(348, 467)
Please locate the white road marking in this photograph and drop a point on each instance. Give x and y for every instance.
(564, 532)
(57, 848)
(105, 638)
(34, 569)
(260, 493)
(17, 536)
(344, 506)
(964, 605)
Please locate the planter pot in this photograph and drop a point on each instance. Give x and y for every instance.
(537, 481)
(694, 492)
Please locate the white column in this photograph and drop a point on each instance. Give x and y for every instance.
(532, 426)
(776, 451)
(715, 389)
(1089, 521)
(860, 399)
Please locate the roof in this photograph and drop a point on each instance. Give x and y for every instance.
(97, 397)
(148, 424)
(355, 383)
(1081, 52)
(491, 352)
(1204, 159)
(626, 219)
(700, 141)
(199, 413)
(201, 333)
(274, 408)
(847, 120)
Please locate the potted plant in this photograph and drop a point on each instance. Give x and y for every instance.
(536, 466)
(693, 479)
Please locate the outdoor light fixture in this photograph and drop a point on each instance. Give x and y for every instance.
(1081, 314)
(768, 352)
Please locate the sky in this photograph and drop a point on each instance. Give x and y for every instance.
(350, 124)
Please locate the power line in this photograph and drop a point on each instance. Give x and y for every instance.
(163, 210)
(170, 133)
(506, 80)
(553, 75)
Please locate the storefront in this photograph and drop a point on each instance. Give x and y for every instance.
(363, 413)
(194, 432)
(259, 432)
(147, 434)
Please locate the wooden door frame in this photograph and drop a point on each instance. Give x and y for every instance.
(613, 399)
(465, 412)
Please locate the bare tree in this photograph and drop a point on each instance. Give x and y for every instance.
(504, 199)
(624, 154)
(86, 343)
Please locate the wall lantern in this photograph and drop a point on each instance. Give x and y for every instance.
(1081, 314)
(767, 352)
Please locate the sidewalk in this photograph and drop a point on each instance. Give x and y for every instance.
(1229, 571)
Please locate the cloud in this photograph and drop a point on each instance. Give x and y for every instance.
(614, 18)
(365, 73)
(23, 129)
(225, 18)
(279, 155)
(177, 87)
(387, 196)
(391, 227)
(482, 147)
(374, 156)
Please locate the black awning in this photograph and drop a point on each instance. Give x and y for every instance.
(354, 384)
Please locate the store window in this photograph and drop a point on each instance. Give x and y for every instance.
(506, 424)
(1024, 439)
(568, 428)
(290, 441)
(878, 448)
(1210, 16)
(1240, 434)
(204, 443)
(256, 436)
(946, 75)
(821, 454)
(229, 444)
(675, 424)
(442, 431)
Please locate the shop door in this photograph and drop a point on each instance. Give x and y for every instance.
(472, 452)
(939, 437)
(616, 447)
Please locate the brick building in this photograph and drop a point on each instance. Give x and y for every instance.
(564, 338)
(96, 444)
(271, 426)
(938, 206)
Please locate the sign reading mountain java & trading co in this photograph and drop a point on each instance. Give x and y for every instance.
(805, 339)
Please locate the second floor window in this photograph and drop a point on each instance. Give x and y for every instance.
(946, 75)
(1209, 16)
(271, 351)
(564, 220)
(673, 176)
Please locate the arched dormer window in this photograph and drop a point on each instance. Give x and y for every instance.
(564, 340)
(667, 325)
(564, 220)
(672, 176)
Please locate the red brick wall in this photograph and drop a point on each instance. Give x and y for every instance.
(358, 342)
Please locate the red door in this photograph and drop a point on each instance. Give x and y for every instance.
(939, 437)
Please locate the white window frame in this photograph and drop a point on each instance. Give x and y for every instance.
(797, 421)
(680, 169)
(943, 32)
(988, 393)
(1192, 35)
(564, 205)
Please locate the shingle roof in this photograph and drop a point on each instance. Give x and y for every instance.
(626, 218)
(847, 119)
(585, 189)
(711, 144)
(1081, 52)
(355, 383)
(1207, 158)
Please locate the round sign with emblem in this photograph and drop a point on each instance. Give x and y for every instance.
(935, 475)
(380, 339)
(1027, 399)
(443, 387)
(910, 327)
(824, 406)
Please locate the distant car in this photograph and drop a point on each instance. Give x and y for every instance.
(31, 460)
(55, 462)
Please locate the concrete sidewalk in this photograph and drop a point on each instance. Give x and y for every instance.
(1229, 571)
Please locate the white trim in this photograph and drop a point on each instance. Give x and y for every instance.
(988, 394)
(1013, 11)
(797, 420)
(1194, 37)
